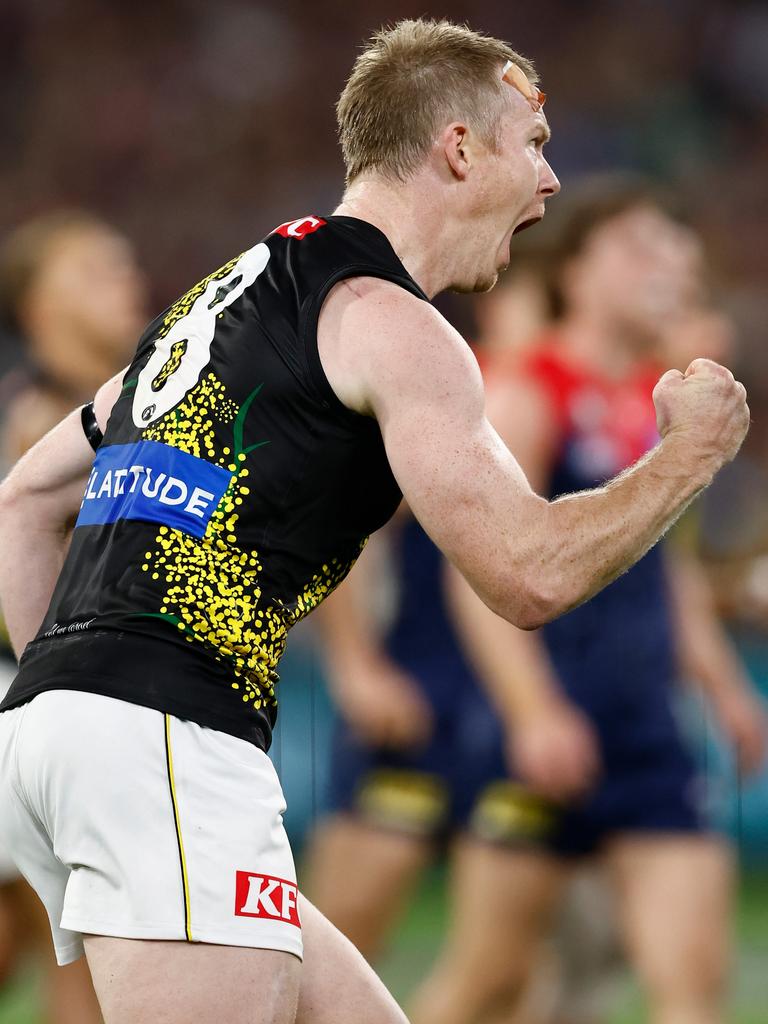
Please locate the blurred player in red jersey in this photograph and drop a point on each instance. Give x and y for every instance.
(71, 291)
(405, 770)
(588, 700)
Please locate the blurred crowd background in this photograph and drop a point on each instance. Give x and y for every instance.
(195, 128)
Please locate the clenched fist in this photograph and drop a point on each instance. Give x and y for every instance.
(706, 407)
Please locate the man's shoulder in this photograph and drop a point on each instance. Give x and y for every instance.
(373, 332)
(366, 295)
(380, 315)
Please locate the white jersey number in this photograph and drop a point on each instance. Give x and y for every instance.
(180, 357)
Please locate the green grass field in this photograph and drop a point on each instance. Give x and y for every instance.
(418, 936)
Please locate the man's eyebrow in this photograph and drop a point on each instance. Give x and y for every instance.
(544, 131)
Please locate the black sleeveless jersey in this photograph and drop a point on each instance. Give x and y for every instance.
(231, 493)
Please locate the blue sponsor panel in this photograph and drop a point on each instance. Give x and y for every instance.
(153, 482)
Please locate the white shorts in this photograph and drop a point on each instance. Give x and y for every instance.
(131, 823)
(8, 870)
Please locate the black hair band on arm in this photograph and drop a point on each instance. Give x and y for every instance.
(91, 427)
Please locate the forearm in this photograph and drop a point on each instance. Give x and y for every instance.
(716, 667)
(31, 558)
(39, 502)
(590, 538)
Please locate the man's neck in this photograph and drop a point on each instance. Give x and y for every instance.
(423, 234)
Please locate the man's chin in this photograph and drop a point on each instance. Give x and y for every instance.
(477, 287)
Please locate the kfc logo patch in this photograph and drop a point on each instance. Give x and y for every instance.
(262, 896)
(300, 228)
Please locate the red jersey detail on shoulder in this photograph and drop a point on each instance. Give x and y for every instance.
(299, 228)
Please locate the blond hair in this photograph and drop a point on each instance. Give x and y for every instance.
(408, 81)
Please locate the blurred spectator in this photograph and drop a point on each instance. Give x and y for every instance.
(70, 289)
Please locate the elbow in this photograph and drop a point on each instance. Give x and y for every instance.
(539, 584)
(531, 618)
(531, 598)
(530, 603)
(535, 608)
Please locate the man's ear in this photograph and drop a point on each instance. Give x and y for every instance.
(458, 149)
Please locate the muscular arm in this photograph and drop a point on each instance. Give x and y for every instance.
(392, 355)
(39, 501)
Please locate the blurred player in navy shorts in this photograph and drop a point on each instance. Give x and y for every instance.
(595, 739)
(599, 764)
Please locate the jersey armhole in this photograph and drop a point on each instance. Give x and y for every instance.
(309, 315)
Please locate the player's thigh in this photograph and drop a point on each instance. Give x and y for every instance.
(675, 897)
(503, 898)
(337, 985)
(501, 906)
(178, 982)
(359, 875)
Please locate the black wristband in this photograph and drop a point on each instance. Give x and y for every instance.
(91, 427)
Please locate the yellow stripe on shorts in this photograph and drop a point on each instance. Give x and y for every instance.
(182, 858)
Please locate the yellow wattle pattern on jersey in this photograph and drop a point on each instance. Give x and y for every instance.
(213, 593)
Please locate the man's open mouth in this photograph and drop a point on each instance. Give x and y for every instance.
(527, 224)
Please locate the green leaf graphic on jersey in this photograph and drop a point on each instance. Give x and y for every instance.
(237, 433)
(171, 365)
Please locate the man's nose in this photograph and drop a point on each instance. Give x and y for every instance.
(548, 183)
